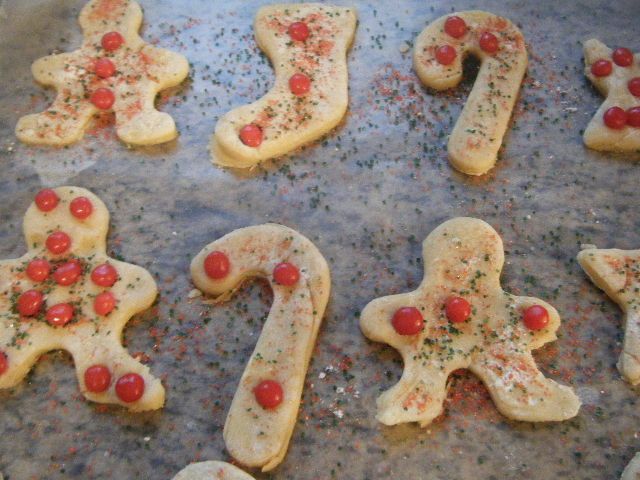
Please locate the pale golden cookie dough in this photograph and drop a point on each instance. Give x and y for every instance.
(212, 470)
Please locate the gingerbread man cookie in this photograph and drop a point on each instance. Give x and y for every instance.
(307, 44)
(617, 272)
(459, 317)
(113, 70)
(616, 74)
(212, 470)
(264, 409)
(66, 293)
(438, 56)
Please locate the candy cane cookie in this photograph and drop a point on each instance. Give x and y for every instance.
(438, 56)
(113, 71)
(616, 74)
(459, 317)
(66, 293)
(617, 272)
(212, 470)
(264, 409)
(307, 44)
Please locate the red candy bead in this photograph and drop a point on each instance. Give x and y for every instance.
(38, 269)
(634, 86)
(104, 303)
(407, 321)
(29, 303)
(251, 135)
(622, 57)
(455, 26)
(104, 275)
(268, 394)
(601, 68)
(457, 309)
(103, 98)
(299, 84)
(217, 265)
(68, 273)
(130, 387)
(104, 68)
(58, 242)
(60, 314)
(286, 274)
(298, 31)
(97, 378)
(633, 117)
(489, 42)
(47, 200)
(445, 55)
(535, 317)
(4, 362)
(111, 41)
(81, 207)
(615, 118)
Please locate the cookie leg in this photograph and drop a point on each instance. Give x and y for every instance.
(629, 362)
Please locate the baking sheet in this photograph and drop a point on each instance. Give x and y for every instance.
(366, 195)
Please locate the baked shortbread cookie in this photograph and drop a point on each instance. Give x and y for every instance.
(438, 56)
(264, 409)
(632, 472)
(212, 471)
(113, 70)
(616, 74)
(307, 44)
(459, 317)
(66, 293)
(617, 272)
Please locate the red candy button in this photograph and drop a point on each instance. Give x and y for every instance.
(634, 86)
(251, 135)
(103, 98)
(58, 242)
(47, 200)
(455, 26)
(68, 273)
(29, 303)
(104, 275)
(535, 317)
(130, 387)
(111, 41)
(4, 362)
(60, 314)
(104, 68)
(489, 42)
(298, 31)
(633, 117)
(217, 265)
(268, 394)
(615, 118)
(104, 303)
(457, 309)
(97, 378)
(299, 84)
(286, 274)
(445, 55)
(601, 68)
(622, 57)
(38, 269)
(407, 321)
(81, 207)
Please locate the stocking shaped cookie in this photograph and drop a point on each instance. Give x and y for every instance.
(307, 44)
(264, 409)
(617, 272)
(113, 70)
(616, 74)
(66, 293)
(438, 56)
(212, 470)
(459, 317)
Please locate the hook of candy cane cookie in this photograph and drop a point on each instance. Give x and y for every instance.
(66, 293)
(459, 317)
(263, 412)
(307, 44)
(212, 470)
(438, 56)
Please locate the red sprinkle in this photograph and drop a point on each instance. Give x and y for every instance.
(217, 265)
(601, 68)
(615, 118)
(38, 269)
(489, 42)
(4, 363)
(445, 55)
(407, 321)
(97, 378)
(58, 242)
(104, 68)
(104, 275)
(68, 273)
(111, 41)
(286, 274)
(60, 314)
(130, 387)
(104, 303)
(103, 98)
(251, 135)
(634, 86)
(622, 57)
(457, 309)
(81, 207)
(535, 317)
(29, 303)
(633, 117)
(299, 31)
(268, 394)
(455, 26)
(47, 200)
(299, 84)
